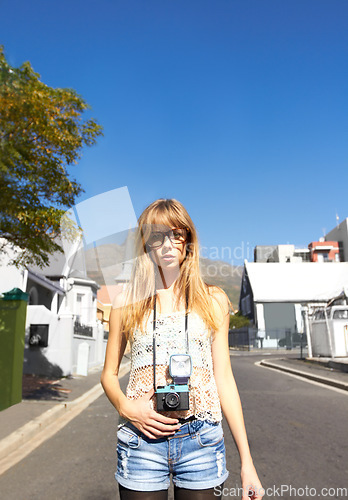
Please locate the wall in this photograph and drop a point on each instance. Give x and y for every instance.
(59, 358)
(56, 359)
(86, 309)
(246, 300)
(39, 294)
(97, 347)
(280, 316)
(284, 253)
(262, 253)
(340, 234)
(10, 277)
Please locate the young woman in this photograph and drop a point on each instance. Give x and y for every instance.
(170, 429)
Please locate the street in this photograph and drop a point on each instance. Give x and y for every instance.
(297, 433)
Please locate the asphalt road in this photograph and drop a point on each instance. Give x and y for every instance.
(297, 433)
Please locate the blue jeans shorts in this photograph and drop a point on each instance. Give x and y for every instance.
(194, 456)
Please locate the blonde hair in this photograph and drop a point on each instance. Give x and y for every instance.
(140, 292)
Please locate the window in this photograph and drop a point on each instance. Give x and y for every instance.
(319, 315)
(340, 314)
(33, 296)
(78, 309)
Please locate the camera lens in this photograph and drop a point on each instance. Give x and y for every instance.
(172, 399)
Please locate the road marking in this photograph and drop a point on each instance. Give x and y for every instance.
(299, 377)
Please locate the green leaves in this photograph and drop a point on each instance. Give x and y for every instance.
(42, 133)
(238, 320)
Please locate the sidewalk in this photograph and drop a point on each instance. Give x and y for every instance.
(322, 370)
(44, 402)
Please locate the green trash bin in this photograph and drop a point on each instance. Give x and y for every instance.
(13, 310)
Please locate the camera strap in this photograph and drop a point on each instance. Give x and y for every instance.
(154, 336)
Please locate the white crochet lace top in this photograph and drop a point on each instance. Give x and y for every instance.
(171, 339)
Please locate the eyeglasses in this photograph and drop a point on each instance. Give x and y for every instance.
(176, 236)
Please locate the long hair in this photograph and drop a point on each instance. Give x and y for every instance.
(139, 294)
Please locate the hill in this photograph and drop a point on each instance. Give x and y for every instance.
(224, 275)
(106, 262)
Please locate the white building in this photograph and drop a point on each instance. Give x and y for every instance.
(61, 314)
(273, 294)
(280, 253)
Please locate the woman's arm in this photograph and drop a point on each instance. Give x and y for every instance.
(137, 411)
(114, 352)
(229, 396)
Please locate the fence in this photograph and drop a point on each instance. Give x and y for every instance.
(242, 338)
(249, 338)
(83, 330)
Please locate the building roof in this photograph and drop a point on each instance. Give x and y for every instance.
(296, 282)
(84, 282)
(46, 283)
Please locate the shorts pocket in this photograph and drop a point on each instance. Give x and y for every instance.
(127, 437)
(210, 434)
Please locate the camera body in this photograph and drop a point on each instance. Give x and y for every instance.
(175, 396)
(172, 397)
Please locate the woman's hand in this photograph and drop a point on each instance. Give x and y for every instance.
(252, 487)
(149, 422)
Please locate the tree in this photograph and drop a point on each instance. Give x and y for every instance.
(238, 320)
(42, 133)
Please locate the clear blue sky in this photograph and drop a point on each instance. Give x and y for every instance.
(237, 108)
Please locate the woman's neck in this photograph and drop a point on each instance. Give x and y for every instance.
(165, 281)
(168, 299)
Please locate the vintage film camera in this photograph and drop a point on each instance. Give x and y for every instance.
(175, 396)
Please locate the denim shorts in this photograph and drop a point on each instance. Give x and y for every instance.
(194, 456)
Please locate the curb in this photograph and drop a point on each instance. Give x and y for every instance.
(335, 364)
(317, 378)
(38, 424)
(17, 438)
(48, 422)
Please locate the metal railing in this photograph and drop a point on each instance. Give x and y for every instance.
(84, 330)
(248, 338)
